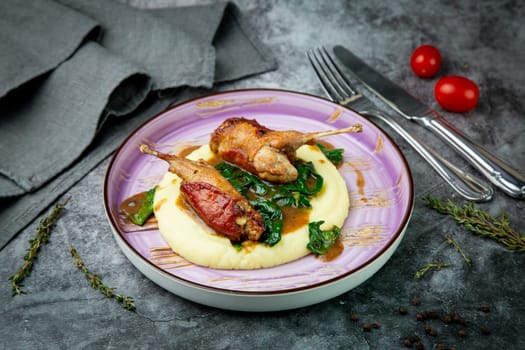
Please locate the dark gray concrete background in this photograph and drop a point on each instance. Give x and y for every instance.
(483, 40)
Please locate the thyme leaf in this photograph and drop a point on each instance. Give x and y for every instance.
(436, 266)
(42, 234)
(96, 283)
(480, 222)
(455, 244)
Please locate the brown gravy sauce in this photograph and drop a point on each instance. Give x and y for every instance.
(181, 203)
(360, 182)
(335, 115)
(294, 218)
(379, 144)
(130, 206)
(187, 150)
(159, 204)
(213, 161)
(333, 252)
(360, 179)
(324, 143)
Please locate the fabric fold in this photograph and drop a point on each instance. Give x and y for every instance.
(169, 54)
(239, 52)
(28, 39)
(59, 120)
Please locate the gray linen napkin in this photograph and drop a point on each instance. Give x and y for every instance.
(46, 130)
(26, 30)
(64, 122)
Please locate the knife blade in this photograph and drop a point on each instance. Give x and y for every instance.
(498, 172)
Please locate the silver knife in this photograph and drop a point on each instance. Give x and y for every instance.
(502, 175)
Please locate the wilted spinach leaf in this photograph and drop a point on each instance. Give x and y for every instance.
(321, 240)
(334, 155)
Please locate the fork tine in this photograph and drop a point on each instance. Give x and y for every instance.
(333, 81)
(338, 77)
(331, 78)
(326, 83)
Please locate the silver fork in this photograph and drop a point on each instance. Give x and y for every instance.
(340, 90)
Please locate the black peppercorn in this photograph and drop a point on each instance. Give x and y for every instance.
(428, 329)
(403, 310)
(407, 342)
(376, 325)
(420, 316)
(448, 318)
(414, 338)
(458, 319)
(484, 308)
(485, 330)
(462, 333)
(366, 327)
(432, 314)
(420, 346)
(415, 301)
(355, 317)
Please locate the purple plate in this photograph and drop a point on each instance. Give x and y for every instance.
(376, 173)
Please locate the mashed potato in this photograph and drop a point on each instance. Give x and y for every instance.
(189, 237)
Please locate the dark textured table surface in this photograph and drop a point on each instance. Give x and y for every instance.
(483, 40)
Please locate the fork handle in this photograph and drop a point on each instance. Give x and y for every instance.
(502, 175)
(466, 185)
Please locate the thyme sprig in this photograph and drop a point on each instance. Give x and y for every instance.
(127, 302)
(480, 222)
(42, 234)
(455, 244)
(436, 266)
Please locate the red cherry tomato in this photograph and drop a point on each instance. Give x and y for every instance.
(425, 61)
(456, 94)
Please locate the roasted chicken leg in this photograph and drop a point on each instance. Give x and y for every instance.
(266, 153)
(213, 198)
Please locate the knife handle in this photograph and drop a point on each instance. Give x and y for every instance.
(502, 175)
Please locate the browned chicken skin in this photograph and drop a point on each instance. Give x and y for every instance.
(213, 198)
(266, 153)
